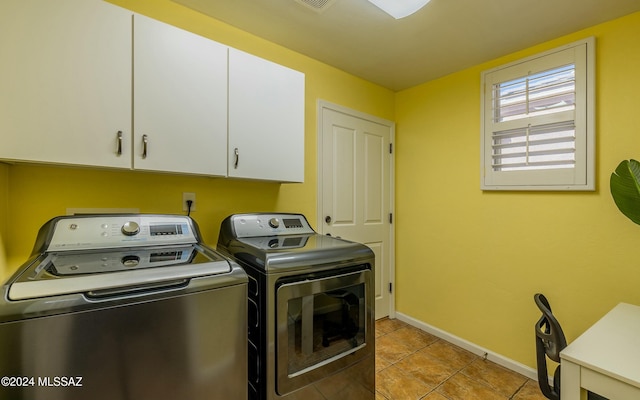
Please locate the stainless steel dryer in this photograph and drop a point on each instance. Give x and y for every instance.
(124, 307)
(311, 308)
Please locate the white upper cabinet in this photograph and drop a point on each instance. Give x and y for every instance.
(266, 120)
(180, 100)
(65, 82)
(84, 82)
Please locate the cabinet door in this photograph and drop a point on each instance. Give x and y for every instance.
(180, 100)
(65, 82)
(266, 119)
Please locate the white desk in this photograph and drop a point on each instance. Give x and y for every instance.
(605, 359)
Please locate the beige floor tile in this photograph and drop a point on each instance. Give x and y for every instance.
(381, 363)
(499, 378)
(458, 358)
(380, 397)
(395, 384)
(412, 337)
(461, 387)
(411, 364)
(429, 370)
(391, 349)
(386, 325)
(530, 391)
(434, 396)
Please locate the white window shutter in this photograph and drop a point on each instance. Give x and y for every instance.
(537, 130)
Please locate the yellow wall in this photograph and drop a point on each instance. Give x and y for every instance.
(4, 197)
(39, 192)
(469, 261)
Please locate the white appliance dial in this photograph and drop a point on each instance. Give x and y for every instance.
(130, 228)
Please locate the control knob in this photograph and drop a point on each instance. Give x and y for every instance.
(274, 223)
(130, 261)
(130, 228)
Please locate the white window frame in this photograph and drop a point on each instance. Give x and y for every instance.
(582, 176)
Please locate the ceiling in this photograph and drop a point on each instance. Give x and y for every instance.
(444, 37)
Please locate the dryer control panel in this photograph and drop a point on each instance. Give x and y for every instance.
(253, 225)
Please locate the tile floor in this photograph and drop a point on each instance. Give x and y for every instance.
(412, 364)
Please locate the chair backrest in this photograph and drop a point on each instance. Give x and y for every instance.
(548, 329)
(550, 341)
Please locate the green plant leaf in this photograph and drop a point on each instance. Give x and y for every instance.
(625, 189)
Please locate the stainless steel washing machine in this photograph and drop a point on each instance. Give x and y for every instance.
(311, 308)
(124, 307)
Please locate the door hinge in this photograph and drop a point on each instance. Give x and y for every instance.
(390, 148)
(390, 287)
(391, 218)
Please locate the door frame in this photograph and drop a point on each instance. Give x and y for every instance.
(321, 106)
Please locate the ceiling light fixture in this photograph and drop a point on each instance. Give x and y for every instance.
(399, 8)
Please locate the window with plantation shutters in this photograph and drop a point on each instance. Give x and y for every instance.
(537, 128)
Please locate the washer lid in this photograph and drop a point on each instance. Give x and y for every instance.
(122, 270)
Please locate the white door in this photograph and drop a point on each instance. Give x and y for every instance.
(355, 187)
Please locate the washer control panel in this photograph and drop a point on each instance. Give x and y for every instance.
(112, 231)
(253, 225)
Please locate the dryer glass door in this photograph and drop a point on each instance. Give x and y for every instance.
(320, 323)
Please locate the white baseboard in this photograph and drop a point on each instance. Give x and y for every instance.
(475, 349)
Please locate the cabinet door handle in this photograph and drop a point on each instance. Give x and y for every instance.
(237, 154)
(145, 142)
(119, 143)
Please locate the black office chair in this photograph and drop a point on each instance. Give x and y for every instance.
(550, 341)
